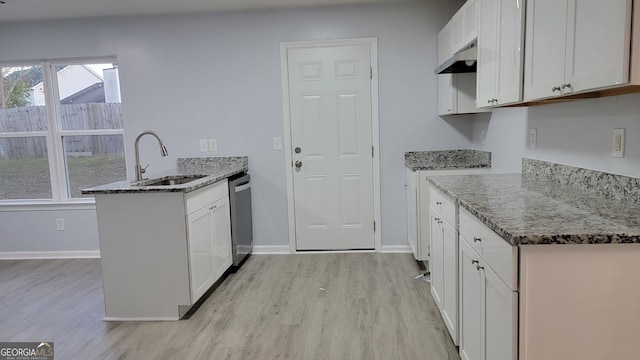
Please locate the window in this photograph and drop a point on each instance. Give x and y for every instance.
(61, 129)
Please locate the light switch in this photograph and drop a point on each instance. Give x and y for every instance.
(213, 145)
(204, 147)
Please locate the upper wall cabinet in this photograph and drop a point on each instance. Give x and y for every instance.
(575, 46)
(500, 38)
(464, 25)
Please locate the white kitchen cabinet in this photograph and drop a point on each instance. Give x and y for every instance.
(457, 94)
(464, 25)
(576, 46)
(488, 295)
(444, 272)
(209, 239)
(417, 193)
(221, 216)
(161, 251)
(500, 65)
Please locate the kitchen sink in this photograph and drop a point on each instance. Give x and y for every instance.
(170, 180)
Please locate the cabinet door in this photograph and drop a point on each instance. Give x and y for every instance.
(508, 82)
(201, 260)
(598, 44)
(446, 95)
(450, 279)
(487, 52)
(221, 216)
(470, 22)
(412, 212)
(545, 48)
(436, 262)
(500, 314)
(471, 285)
(445, 50)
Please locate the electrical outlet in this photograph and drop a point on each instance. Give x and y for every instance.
(60, 224)
(213, 145)
(533, 138)
(618, 143)
(277, 143)
(483, 136)
(204, 147)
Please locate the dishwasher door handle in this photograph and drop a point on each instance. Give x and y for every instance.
(242, 187)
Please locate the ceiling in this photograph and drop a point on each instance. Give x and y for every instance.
(29, 10)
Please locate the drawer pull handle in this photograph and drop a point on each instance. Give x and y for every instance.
(477, 239)
(436, 219)
(213, 207)
(478, 267)
(438, 203)
(475, 262)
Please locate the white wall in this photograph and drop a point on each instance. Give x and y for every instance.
(577, 133)
(218, 76)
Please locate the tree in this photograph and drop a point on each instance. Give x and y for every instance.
(14, 88)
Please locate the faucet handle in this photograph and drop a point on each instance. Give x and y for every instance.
(143, 169)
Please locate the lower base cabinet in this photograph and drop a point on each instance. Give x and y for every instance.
(488, 310)
(161, 251)
(209, 239)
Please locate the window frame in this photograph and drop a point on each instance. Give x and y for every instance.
(60, 192)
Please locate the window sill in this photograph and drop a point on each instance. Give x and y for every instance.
(46, 205)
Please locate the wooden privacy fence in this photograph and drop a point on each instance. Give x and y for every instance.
(74, 117)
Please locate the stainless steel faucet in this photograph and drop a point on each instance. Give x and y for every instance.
(163, 151)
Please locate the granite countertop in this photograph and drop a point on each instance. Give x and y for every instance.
(212, 170)
(529, 211)
(447, 159)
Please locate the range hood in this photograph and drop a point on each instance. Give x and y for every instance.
(464, 61)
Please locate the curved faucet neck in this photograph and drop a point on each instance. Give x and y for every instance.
(163, 151)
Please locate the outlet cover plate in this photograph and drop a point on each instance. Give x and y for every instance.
(618, 143)
(533, 138)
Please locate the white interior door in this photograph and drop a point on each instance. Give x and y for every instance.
(331, 139)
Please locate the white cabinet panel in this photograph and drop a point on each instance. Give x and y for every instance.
(500, 38)
(598, 44)
(436, 261)
(221, 221)
(575, 46)
(412, 213)
(201, 261)
(471, 283)
(450, 279)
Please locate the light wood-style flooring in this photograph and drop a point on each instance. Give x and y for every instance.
(309, 306)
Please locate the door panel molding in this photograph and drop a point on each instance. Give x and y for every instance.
(372, 42)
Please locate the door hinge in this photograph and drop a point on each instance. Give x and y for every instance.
(374, 226)
(371, 72)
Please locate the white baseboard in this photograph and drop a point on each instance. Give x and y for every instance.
(395, 249)
(110, 318)
(271, 249)
(31, 255)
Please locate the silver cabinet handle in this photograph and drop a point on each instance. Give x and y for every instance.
(566, 85)
(556, 88)
(297, 150)
(298, 164)
(478, 267)
(475, 262)
(213, 207)
(438, 203)
(477, 239)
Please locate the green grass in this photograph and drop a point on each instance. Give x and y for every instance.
(29, 178)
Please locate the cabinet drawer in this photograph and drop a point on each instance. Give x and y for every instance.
(443, 204)
(494, 250)
(202, 197)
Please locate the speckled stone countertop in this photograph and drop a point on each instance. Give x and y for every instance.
(212, 169)
(532, 210)
(447, 159)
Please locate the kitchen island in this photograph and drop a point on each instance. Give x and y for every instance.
(549, 266)
(165, 241)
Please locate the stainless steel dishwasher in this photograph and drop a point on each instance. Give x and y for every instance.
(241, 221)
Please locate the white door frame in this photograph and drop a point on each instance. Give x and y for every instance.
(375, 128)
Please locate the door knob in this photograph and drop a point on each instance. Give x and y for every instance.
(298, 164)
(297, 150)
